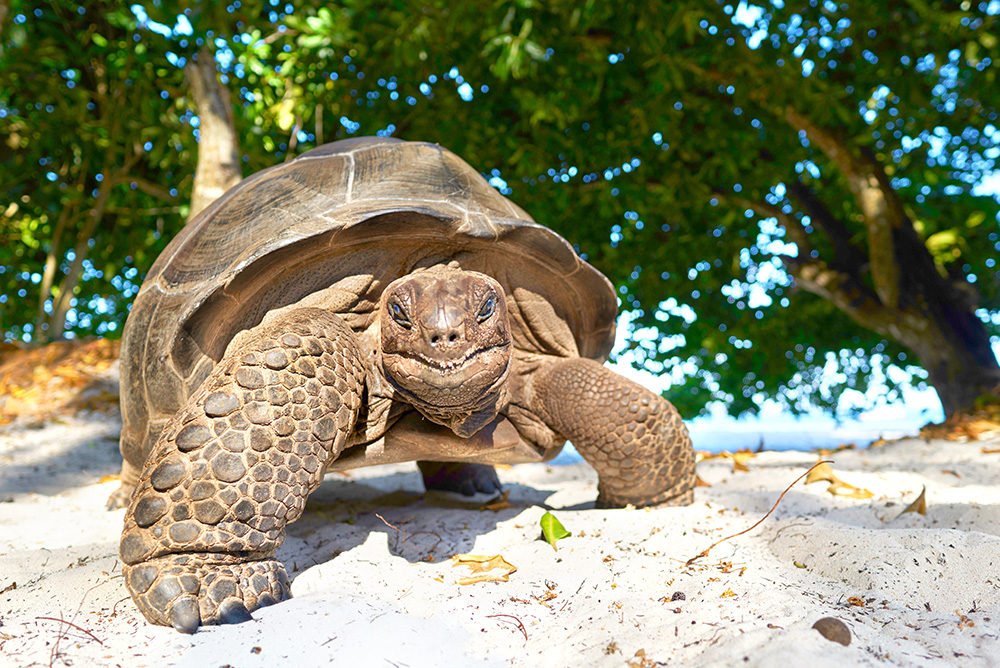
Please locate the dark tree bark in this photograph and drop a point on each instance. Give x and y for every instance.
(218, 167)
(892, 286)
(911, 301)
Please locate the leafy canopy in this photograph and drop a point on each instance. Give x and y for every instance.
(641, 131)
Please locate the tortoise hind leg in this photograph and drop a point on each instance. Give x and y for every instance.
(129, 478)
(465, 478)
(234, 466)
(634, 438)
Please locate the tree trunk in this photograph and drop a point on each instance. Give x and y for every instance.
(218, 167)
(961, 365)
(42, 320)
(888, 282)
(4, 10)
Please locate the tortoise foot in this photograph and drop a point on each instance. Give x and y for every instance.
(187, 591)
(129, 478)
(465, 479)
(680, 495)
(120, 497)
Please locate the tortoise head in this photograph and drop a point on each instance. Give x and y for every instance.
(445, 344)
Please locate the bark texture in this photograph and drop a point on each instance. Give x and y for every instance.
(218, 167)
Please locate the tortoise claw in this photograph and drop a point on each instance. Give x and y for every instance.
(184, 616)
(188, 591)
(233, 612)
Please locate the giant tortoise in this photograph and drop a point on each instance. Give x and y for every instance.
(371, 301)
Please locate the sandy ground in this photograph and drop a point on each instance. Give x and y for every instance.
(913, 589)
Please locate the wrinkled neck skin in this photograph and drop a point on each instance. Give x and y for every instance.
(445, 347)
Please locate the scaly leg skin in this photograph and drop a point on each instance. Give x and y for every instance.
(234, 466)
(634, 438)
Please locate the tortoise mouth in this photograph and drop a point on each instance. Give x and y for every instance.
(454, 364)
(456, 383)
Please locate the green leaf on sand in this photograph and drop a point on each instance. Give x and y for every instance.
(553, 529)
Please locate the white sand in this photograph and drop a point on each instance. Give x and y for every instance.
(368, 595)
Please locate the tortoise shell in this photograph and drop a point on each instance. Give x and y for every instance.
(334, 227)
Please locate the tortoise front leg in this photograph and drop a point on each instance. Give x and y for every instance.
(634, 438)
(234, 466)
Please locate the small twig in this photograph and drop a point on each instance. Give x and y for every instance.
(78, 628)
(417, 533)
(705, 552)
(59, 636)
(393, 526)
(114, 608)
(520, 626)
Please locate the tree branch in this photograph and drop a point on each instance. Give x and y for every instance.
(845, 253)
(881, 209)
(153, 189)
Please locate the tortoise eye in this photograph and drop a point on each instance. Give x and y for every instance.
(399, 315)
(487, 309)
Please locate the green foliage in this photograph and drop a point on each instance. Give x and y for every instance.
(640, 131)
(90, 148)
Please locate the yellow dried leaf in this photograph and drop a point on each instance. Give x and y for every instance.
(729, 593)
(822, 473)
(740, 460)
(919, 504)
(841, 488)
(482, 564)
(497, 504)
(640, 660)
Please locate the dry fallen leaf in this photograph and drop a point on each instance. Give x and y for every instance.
(919, 505)
(640, 660)
(981, 422)
(58, 378)
(841, 488)
(498, 504)
(823, 473)
(739, 458)
(482, 564)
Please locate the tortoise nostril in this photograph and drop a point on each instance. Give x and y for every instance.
(435, 339)
(453, 338)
